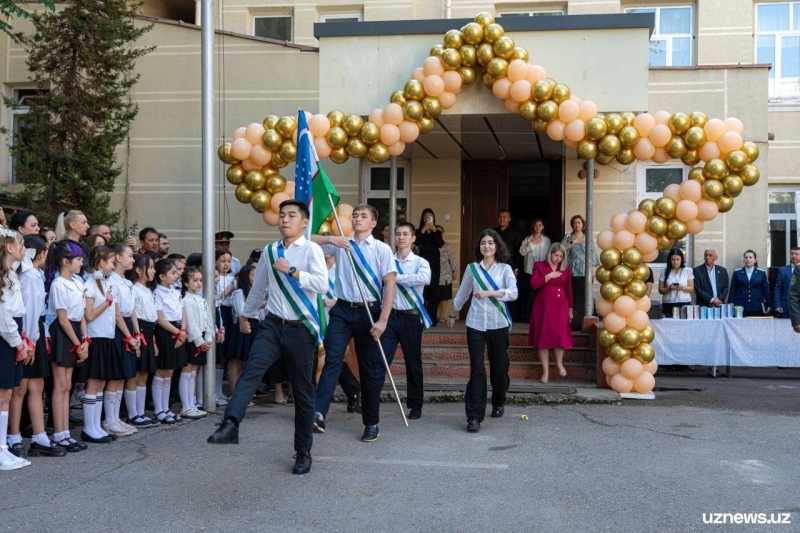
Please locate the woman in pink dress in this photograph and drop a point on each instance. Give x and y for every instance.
(552, 309)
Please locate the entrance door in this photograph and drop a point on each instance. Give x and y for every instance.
(484, 192)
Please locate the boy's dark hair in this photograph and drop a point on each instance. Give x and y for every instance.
(408, 225)
(176, 257)
(194, 260)
(300, 205)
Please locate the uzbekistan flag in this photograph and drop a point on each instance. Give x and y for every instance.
(312, 185)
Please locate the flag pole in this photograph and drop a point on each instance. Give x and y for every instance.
(366, 307)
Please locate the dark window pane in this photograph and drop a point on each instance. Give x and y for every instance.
(656, 179)
(341, 19)
(382, 205)
(279, 28)
(379, 179)
(777, 245)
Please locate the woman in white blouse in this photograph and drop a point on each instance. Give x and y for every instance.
(490, 283)
(676, 284)
(533, 249)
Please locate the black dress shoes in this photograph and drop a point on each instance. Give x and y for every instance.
(302, 463)
(354, 403)
(371, 434)
(473, 425)
(54, 450)
(85, 437)
(415, 414)
(226, 433)
(497, 412)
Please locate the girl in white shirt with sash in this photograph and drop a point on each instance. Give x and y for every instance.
(170, 338)
(144, 303)
(490, 283)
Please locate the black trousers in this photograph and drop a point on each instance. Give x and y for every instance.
(430, 294)
(475, 396)
(406, 330)
(298, 348)
(348, 382)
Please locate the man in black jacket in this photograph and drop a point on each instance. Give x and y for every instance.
(513, 240)
(711, 281)
(794, 299)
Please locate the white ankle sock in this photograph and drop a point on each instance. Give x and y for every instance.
(108, 406)
(219, 382)
(13, 439)
(158, 383)
(130, 403)
(89, 406)
(198, 386)
(98, 415)
(141, 396)
(41, 438)
(165, 390)
(183, 391)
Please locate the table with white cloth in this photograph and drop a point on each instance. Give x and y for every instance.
(727, 342)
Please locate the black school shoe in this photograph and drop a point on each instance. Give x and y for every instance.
(102, 440)
(226, 433)
(354, 403)
(473, 425)
(371, 434)
(54, 450)
(17, 449)
(497, 412)
(415, 413)
(302, 463)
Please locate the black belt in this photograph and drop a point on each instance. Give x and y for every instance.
(345, 303)
(406, 312)
(284, 322)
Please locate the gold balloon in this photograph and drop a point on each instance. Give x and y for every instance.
(679, 123)
(378, 153)
(690, 158)
(451, 58)
(242, 193)
(397, 97)
(339, 156)
(696, 174)
(610, 291)
(641, 272)
(601, 159)
(336, 118)
(272, 139)
(485, 54)
(646, 206)
(648, 334)
(497, 67)
(713, 189)
(260, 200)
(596, 128)
(432, 107)
(618, 353)
(453, 39)
(750, 175)
(484, 19)
(606, 338)
(337, 137)
(356, 147)
(695, 137)
(539, 126)
(609, 145)
(644, 352)
(278, 161)
(621, 275)
(492, 33)
(436, 50)
(286, 126)
(626, 156)
(325, 228)
(632, 257)
(504, 47)
(547, 110)
(715, 169)
(751, 149)
(610, 257)
(628, 136)
(225, 156)
(602, 274)
(275, 184)
(270, 122)
(636, 289)
(527, 110)
(487, 80)
(521, 53)
(677, 229)
(413, 90)
(587, 149)
(413, 110)
(665, 207)
(736, 160)
(615, 123)
(473, 33)
(676, 147)
(699, 119)
(552, 82)
(353, 123)
(426, 124)
(628, 117)
(469, 55)
(561, 93)
(468, 75)
(725, 203)
(288, 150)
(665, 243)
(629, 337)
(255, 180)
(542, 91)
(656, 226)
(733, 185)
(269, 171)
(235, 174)
(370, 133)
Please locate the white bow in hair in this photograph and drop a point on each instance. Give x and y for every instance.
(30, 253)
(7, 233)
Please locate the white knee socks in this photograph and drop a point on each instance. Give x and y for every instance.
(183, 391)
(130, 403)
(89, 406)
(141, 395)
(158, 383)
(98, 415)
(198, 387)
(165, 388)
(108, 406)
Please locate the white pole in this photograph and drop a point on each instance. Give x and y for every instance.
(588, 238)
(392, 200)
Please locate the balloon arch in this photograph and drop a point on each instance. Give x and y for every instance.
(480, 49)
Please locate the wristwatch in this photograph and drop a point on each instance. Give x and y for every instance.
(292, 270)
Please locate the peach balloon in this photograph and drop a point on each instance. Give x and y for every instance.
(645, 242)
(393, 114)
(588, 110)
(623, 240)
(239, 133)
(568, 111)
(660, 156)
(409, 131)
(447, 99)
(730, 141)
(644, 149)
(319, 125)
(686, 210)
(613, 322)
(376, 117)
(620, 383)
(417, 74)
(604, 307)
(254, 132)
(270, 217)
(501, 88)
(673, 191)
(347, 226)
(397, 148)
(644, 123)
(260, 155)
(707, 209)
(433, 85)
(289, 189)
(644, 383)
(734, 124)
(651, 367)
(636, 222)
(277, 199)
(511, 105)
(569, 143)
(605, 239)
(649, 258)
(714, 129)
(624, 306)
(452, 81)
(240, 149)
(638, 320)
(517, 70)
(631, 369)
(691, 190)
(660, 135)
(575, 98)
(643, 304)
(555, 130)
(575, 130)
(710, 150)
(390, 134)
(610, 367)
(695, 226)
(618, 222)
(520, 90)
(345, 210)
(536, 73)
(432, 66)
(322, 147)
(249, 165)
(662, 117)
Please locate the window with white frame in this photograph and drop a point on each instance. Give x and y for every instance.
(782, 225)
(549, 13)
(671, 42)
(278, 27)
(653, 179)
(376, 186)
(20, 123)
(341, 17)
(778, 43)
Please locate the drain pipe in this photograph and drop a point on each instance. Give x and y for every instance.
(448, 9)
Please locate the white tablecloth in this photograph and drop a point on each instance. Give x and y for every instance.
(733, 341)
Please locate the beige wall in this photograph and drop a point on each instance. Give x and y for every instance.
(436, 183)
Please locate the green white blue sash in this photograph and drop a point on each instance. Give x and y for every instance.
(365, 272)
(331, 294)
(483, 278)
(414, 299)
(298, 300)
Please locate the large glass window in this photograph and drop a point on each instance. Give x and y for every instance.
(671, 42)
(22, 120)
(778, 43)
(376, 191)
(652, 181)
(341, 17)
(551, 13)
(782, 225)
(274, 27)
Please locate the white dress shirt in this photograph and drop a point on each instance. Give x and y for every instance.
(144, 303)
(712, 276)
(123, 294)
(11, 307)
(483, 315)
(103, 326)
(170, 303)
(416, 274)
(223, 283)
(749, 272)
(308, 259)
(199, 326)
(379, 257)
(67, 294)
(237, 303)
(33, 296)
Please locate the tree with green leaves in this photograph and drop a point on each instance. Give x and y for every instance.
(81, 60)
(14, 9)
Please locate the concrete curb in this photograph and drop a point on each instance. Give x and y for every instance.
(569, 396)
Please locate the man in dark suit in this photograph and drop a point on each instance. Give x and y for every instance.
(710, 281)
(794, 299)
(784, 281)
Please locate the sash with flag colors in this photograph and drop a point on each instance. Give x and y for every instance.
(303, 307)
(312, 185)
(414, 299)
(483, 277)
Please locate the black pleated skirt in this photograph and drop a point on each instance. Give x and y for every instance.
(10, 368)
(242, 342)
(40, 367)
(147, 361)
(225, 347)
(195, 356)
(61, 352)
(104, 362)
(128, 356)
(169, 357)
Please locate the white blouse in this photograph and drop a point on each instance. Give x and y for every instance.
(67, 294)
(682, 278)
(104, 326)
(123, 294)
(224, 282)
(11, 307)
(144, 303)
(237, 302)
(199, 326)
(483, 315)
(33, 296)
(534, 251)
(169, 302)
